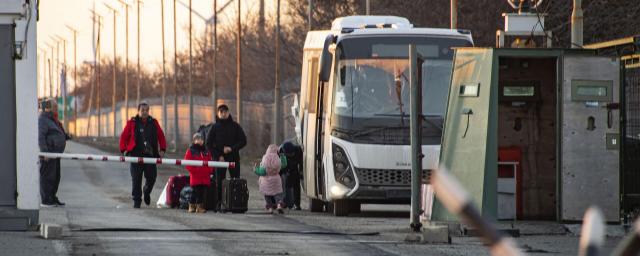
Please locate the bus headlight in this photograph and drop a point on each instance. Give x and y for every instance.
(342, 170)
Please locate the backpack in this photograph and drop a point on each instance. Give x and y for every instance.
(204, 130)
(185, 197)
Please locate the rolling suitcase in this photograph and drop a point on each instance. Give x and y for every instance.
(235, 195)
(174, 187)
(211, 196)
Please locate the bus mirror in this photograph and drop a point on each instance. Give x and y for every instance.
(325, 59)
(343, 75)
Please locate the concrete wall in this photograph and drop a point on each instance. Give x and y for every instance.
(27, 110)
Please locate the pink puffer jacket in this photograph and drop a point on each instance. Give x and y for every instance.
(271, 184)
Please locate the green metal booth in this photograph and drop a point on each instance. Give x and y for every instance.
(533, 134)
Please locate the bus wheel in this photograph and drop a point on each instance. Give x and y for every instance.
(341, 207)
(316, 205)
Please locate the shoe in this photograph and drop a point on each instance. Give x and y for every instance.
(136, 204)
(297, 208)
(280, 209)
(269, 210)
(147, 199)
(200, 208)
(48, 205)
(59, 203)
(192, 208)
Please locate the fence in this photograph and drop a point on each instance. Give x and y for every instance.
(257, 120)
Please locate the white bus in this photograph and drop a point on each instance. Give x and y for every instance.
(353, 116)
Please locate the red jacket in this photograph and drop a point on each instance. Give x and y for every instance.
(199, 175)
(128, 138)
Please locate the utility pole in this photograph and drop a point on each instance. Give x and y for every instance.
(51, 77)
(126, 61)
(368, 7)
(277, 126)
(576, 24)
(94, 80)
(57, 67)
(214, 41)
(454, 14)
(138, 52)
(239, 67)
(416, 139)
(113, 72)
(63, 83)
(310, 16)
(75, 82)
(176, 126)
(191, 130)
(98, 87)
(164, 72)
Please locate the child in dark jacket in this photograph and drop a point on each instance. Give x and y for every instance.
(199, 175)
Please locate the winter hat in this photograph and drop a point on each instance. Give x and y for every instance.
(271, 160)
(196, 136)
(287, 148)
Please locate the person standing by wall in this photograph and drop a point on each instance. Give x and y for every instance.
(225, 139)
(53, 139)
(142, 137)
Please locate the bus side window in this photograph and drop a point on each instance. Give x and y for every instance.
(312, 82)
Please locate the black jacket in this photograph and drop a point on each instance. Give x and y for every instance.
(226, 133)
(293, 171)
(51, 135)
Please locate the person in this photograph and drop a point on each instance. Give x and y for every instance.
(51, 138)
(142, 137)
(291, 174)
(199, 176)
(224, 141)
(270, 184)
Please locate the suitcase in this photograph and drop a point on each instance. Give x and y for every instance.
(174, 187)
(235, 195)
(211, 196)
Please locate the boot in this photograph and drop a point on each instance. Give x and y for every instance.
(192, 208)
(200, 208)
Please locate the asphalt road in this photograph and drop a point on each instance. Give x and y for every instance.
(98, 197)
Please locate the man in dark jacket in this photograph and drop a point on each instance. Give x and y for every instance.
(51, 138)
(291, 174)
(225, 139)
(142, 137)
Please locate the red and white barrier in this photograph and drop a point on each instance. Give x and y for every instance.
(139, 160)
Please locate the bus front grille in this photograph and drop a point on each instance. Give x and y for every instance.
(382, 177)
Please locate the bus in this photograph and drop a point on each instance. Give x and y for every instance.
(352, 119)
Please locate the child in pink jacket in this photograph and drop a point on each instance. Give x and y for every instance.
(270, 185)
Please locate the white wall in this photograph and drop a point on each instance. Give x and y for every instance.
(28, 178)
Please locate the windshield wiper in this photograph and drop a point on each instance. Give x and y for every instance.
(424, 118)
(370, 130)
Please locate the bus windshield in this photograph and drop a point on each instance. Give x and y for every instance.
(372, 89)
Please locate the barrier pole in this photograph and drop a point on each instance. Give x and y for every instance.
(139, 160)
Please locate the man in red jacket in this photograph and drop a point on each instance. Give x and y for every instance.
(142, 137)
